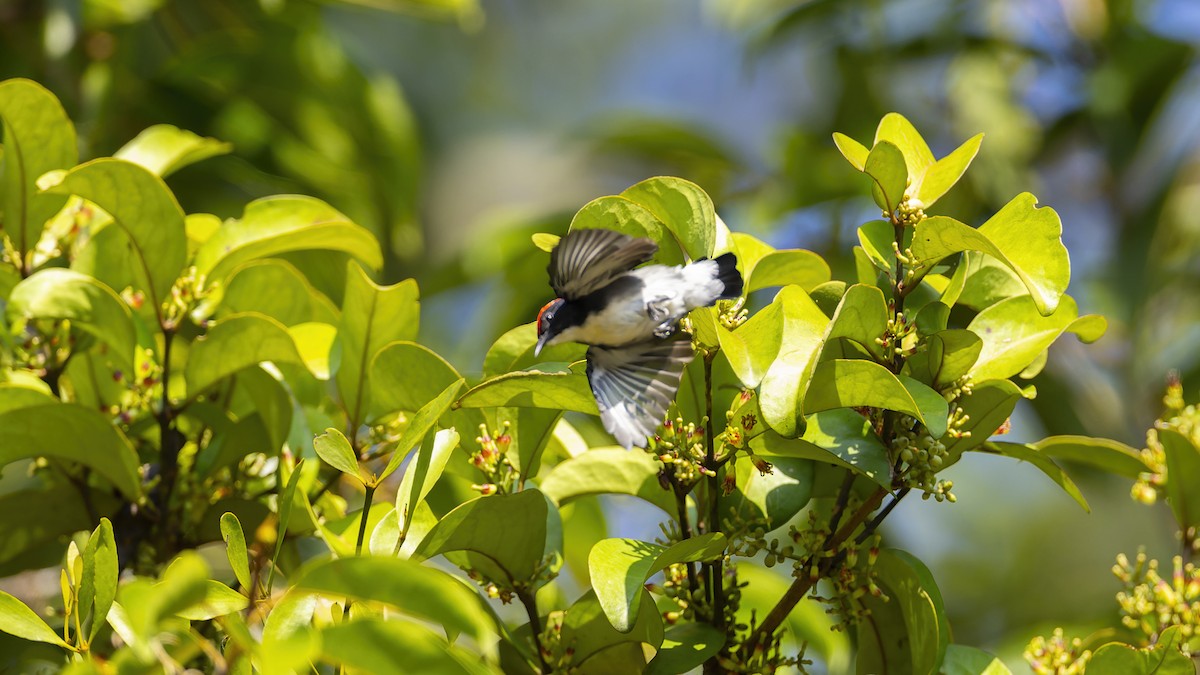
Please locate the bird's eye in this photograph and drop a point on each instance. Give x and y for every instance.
(546, 315)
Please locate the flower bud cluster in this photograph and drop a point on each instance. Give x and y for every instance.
(961, 387)
(43, 345)
(1057, 655)
(911, 210)
(923, 456)
(492, 459)
(187, 292)
(851, 582)
(680, 447)
(1151, 604)
(1151, 485)
(556, 652)
(732, 313)
(899, 338)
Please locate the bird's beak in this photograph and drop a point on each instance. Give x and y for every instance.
(542, 340)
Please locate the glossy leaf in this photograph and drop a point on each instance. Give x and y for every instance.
(98, 588)
(776, 496)
(1044, 464)
(952, 353)
(754, 345)
(562, 390)
(148, 216)
(373, 317)
(944, 173)
(235, 343)
(987, 407)
(1183, 474)
(962, 660)
(291, 299)
(842, 437)
(281, 224)
(876, 239)
(608, 471)
(885, 166)
(685, 646)
(58, 293)
(218, 600)
(514, 351)
(73, 433)
(1164, 658)
(334, 448)
(781, 268)
(17, 619)
(897, 130)
(420, 424)
(587, 628)
(1015, 334)
(620, 568)
(844, 383)
(163, 149)
(909, 633)
(423, 472)
(786, 380)
(854, 152)
(1025, 238)
(38, 137)
(861, 316)
(376, 645)
(685, 209)
(629, 217)
(235, 549)
(1107, 455)
(406, 376)
(514, 531)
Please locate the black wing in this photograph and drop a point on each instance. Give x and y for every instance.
(586, 260)
(634, 385)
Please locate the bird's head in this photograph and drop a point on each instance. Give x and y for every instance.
(547, 328)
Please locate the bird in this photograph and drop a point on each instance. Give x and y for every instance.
(628, 316)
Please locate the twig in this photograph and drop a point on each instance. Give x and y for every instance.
(535, 625)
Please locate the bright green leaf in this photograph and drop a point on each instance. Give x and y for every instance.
(629, 217)
(379, 646)
(951, 355)
(275, 288)
(861, 316)
(786, 380)
(987, 407)
(514, 351)
(545, 241)
(38, 137)
(877, 238)
(621, 567)
(897, 130)
(844, 383)
(219, 600)
(775, 496)
(281, 224)
(58, 293)
(406, 376)
(909, 632)
(17, 619)
(1015, 334)
(806, 623)
(235, 343)
(854, 152)
(333, 447)
(685, 646)
(100, 572)
(1053, 471)
(962, 660)
(164, 149)
(685, 209)
(945, 172)
(1104, 454)
(587, 628)
(423, 471)
(1164, 658)
(754, 345)
(1183, 475)
(781, 268)
(235, 549)
(314, 342)
(420, 424)
(608, 471)
(885, 166)
(534, 389)
(842, 437)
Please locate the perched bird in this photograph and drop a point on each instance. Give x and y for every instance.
(628, 317)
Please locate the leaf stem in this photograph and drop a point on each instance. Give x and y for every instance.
(535, 625)
(362, 522)
(685, 527)
(715, 568)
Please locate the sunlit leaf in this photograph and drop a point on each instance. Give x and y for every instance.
(685, 646)
(842, 437)
(235, 343)
(219, 600)
(1107, 455)
(684, 208)
(754, 345)
(98, 588)
(987, 407)
(620, 568)
(291, 299)
(844, 383)
(777, 495)
(514, 351)
(376, 645)
(587, 628)
(406, 376)
(909, 632)
(885, 166)
(897, 130)
(1164, 658)
(1015, 334)
(58, 293)
(422, 472)
(854, 152)
(608, 471)
(786, 379)
(962, 660)
(630, 217)
(334, 449)
(235, 549)
(164, 149)
(562, 390)
(420, 424)
(945, 172)
(17, 619)
(780, 268)
(861, 316)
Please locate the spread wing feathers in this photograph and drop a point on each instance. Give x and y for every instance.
(634, 385)
(586, 260)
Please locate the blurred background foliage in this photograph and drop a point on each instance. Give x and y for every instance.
(454, 129)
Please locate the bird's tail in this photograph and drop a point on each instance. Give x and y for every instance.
(729, 276)
(710, 280)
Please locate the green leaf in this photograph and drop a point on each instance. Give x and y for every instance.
(514, 351)
(877, 238)
(685, 209)
(235, 343)
(854, 152)
(218, 600)
(275, 288)
(17, 619)
(781, 268)
(420, 424)
(38, 137)
(566, 391)
(842, 383)
(775, 496)
(786, 381)
(987, 407)
(629, 217)
(962, 660)
(235, 549)
(164, 149)
(861, 316)
(282, 224)
(621, 567)
(183, 585)
(286, 500)
(885, 166)
(842, 437)
(909, 632)
(897, 130)
(951, 355)
(944, 173)
(517, 532)
(1025, 238)
(586, 628)
(376, 645)
(1183, 474)
(1164, 658)
(685, 646)
(148, 216)
(58, 293)
(1015, 334)
(333, 447)
(608, 471)
(373, 317)
(531, 431)
(754, 345)
(545, 241)
(76, 434)
(1054, 472)
(932, 318)
(423, 471)
(406, 376)
(1100, 453)
(750, 250)
(314, 342)
(98, 587)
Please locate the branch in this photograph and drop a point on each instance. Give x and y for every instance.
(535, 625)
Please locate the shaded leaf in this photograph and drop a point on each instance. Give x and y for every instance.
(962, 660)
(1101, 453)
(73, 433)
(163, 149)
(608, 471)
(620, 567)
(629, 217)
(1164, 658)
(587, 628)
(987, 407)
(842, 437)
(58, 293)
(1053, 471)
(844, 383)
(235, 549)
(291, 299)
(775, 496)
(1183, 474)
(419, 425)
(685, 646)
(235, 343)
(952, 353)
(909, 633)
(861, 316)
(376, 645)
(406, 376)
(219, 600)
